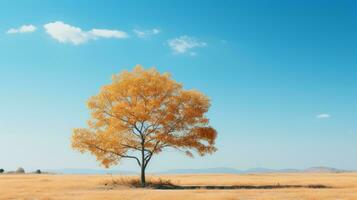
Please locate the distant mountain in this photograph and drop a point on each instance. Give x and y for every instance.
(89, 171)
(259, 170)
(224, 170)
(287, 171)
(218, 170)
(324, 170)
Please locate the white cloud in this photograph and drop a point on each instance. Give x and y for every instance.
(146, 33)
(23, 29)
(323, 116)
(184, 44)
(108, 33)
(66, 33)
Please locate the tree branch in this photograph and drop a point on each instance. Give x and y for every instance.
(115, 153)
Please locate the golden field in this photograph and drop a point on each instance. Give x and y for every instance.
(89, 187)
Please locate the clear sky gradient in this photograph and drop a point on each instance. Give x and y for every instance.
(282, 76)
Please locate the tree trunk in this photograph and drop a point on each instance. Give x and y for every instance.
(143, 182)
(143, 165)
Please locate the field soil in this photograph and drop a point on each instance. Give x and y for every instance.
(341, 186)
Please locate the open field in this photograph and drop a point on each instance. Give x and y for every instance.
(89, 187)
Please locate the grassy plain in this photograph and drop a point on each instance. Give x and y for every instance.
(90, 187)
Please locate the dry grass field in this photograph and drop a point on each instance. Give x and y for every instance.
(89, 187)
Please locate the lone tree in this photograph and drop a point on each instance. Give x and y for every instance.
(20, 170)
(140, 114)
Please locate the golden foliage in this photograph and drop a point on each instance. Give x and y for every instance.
(145, 111)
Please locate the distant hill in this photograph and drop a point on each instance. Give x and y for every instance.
(217, 170)
(89, 171)
(259, 170)
(225, 170)
(324, 170)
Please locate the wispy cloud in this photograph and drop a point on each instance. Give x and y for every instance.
(22, 29)
(184, 44)
(146, 33)
(105, 33)
(65, 33)
(323, 116)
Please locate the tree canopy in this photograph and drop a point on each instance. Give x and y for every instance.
(141, 113)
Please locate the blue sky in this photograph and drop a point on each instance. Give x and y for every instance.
(282, 76)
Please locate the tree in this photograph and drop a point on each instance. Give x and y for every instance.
(20, 170)
(2, 171)
(140, 114)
